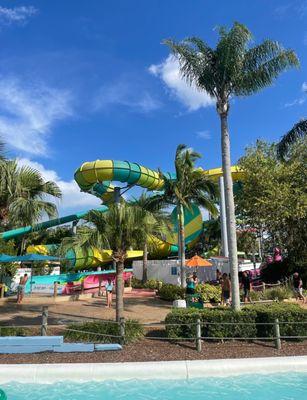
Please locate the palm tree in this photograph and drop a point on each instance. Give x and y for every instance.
(154, 223)
(24, 195)
(119, 230)
(232, 68)
(298, 131)
(190, 187)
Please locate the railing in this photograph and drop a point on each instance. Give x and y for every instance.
(197, 338)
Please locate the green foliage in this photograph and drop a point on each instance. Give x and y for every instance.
(251, 314)
(171, 292)
(233, 68)
(209, 292)
(207, 316)
(149, 284)
(80, 332)
(285, 313)
(273, 198)
(279, 293)
(23, 195)
(298, 131)
(7, 269)
(13, 331)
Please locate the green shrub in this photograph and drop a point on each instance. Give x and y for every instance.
(149, 284)
(290, 313)
(13, 331)
(209, 292)
(208, 316)
(250, 314)
(171, 292)
(80, 332)
(254, 295)
(280, 294)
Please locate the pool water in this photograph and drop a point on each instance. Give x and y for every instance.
(290, 386)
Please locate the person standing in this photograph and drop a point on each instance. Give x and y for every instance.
(190, 289)
(298, 287)
(226, 288)
(21, 288)
(246, 285)
(109, 292)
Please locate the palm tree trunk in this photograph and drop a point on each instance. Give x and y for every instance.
(145, 258)
(181, 244)
(230, 212)
(119, 290)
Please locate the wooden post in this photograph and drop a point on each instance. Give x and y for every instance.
(277, 334)
(198, 336)
(1, 290)
(122, 330)
(44, 321)
(82, 287)
(263, 286)
(55, 289)
(99, 288)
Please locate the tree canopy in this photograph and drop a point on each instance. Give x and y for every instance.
(274, 199)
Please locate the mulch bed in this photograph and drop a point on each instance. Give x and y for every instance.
(156, 350)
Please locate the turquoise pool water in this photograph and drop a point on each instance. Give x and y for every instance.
(292, 386)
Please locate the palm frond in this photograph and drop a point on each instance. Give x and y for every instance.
(297, 132)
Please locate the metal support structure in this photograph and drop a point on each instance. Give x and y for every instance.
(122, 330)
(225, 251)
(74, 228)
(44, 321)
(198, 336)
(277, 335)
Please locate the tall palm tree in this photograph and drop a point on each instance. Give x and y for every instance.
(25, 195)
(232, 68)
(118, 230)
(154, 223)
(188, 188)
(298, 131)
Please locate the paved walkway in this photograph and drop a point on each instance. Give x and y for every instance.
(145, 309)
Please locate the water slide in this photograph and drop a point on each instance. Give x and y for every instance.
(95, 178)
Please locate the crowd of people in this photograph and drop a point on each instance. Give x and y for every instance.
(224, 280)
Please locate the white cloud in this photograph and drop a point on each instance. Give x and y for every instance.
(72, 198)
(300, 100)
(16, 14)
(188, 95)
(203, 135)
(127, 95)
(28, 112)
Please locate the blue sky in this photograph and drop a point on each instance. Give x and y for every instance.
(85, 80)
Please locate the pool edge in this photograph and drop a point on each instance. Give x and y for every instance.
(188, 369)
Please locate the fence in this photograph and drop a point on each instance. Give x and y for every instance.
(198, 339)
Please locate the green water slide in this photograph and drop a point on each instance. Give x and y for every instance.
(47, 224)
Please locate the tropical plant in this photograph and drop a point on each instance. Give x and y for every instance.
(24, 195)
(273, 200)
(153, 224)
(190, 187)
(118, 229)
(232, 68)
(297, 132)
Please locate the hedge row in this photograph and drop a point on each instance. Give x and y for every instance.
(250, 314)
(98, 332)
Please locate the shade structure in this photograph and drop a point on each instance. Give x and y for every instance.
(197, 261)
(4, 258)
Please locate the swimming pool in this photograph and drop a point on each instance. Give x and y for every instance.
(285, 386)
